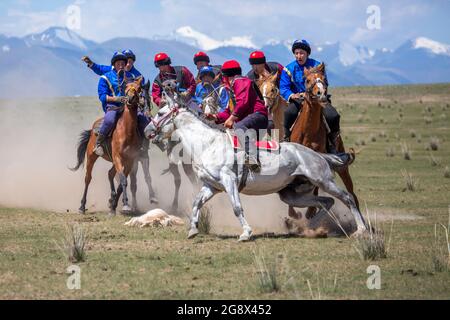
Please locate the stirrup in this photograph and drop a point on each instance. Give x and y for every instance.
(99, 151)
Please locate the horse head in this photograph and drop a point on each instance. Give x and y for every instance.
(133, 91)
(210, 105)
(161, 126)
(269, 89)
(316, 83)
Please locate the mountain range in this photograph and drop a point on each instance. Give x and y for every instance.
(48, 63)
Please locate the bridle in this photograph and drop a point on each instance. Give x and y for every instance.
(164, 120)
(317, 81)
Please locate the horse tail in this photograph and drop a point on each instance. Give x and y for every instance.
(82, 147)
(340, 160)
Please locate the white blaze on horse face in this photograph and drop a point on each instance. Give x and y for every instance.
(266, 101)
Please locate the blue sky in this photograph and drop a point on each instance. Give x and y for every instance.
(262, 20)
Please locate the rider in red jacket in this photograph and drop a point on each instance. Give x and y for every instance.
(184, 78)
(246, 109)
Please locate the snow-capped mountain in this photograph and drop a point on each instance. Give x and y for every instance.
(59, 70)
(431, 45)
(58, 37)
(204, 42)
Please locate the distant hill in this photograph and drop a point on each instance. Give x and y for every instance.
(48, 63)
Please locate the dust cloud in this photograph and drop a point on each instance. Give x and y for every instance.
(38, 140)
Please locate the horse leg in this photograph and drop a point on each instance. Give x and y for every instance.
(344, 173)
(205, 194)
(330, 187)
(133, 187)
(91, 158)
(148, 180)
(278, 115)
(190, 173)
(229, 181)
(173, 168)
(311, 212)
(111, 175)
(302, 200)
(348, 182)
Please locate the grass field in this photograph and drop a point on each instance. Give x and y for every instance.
(160, 263)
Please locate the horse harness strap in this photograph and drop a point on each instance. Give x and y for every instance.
(178, 73)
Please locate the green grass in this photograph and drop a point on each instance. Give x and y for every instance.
(160, 263)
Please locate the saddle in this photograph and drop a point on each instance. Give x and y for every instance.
(268, 145)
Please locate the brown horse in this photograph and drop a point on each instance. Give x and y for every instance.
(124, 151)
(310, 128)
(273, 101)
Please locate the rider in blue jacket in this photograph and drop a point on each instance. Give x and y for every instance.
(111, 72)
(111, 94)
(208, 87)
(102, 69)
(292, 88)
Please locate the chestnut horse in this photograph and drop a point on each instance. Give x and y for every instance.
(273, 101)
(125, 145)
(310, 128)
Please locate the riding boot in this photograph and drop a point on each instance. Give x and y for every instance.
(98, 150)
(332, 142)
(251, 161)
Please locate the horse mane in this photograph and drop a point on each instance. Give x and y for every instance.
(210, 124)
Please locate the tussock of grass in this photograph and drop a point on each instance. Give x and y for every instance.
(268, 274)
(74, 243)
(440, 251)
(410, 181)
(204, 220)
(406, 151)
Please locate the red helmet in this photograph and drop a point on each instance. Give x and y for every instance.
(231, 68)
(201, 56)
(162, 59)
(257, 57)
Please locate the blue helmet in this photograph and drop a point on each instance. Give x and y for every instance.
(301, 44)
(206, 70)
(118, 56)
(129, 54)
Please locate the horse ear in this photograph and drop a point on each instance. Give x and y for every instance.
(139, 80)
(321, 67)
(306, 72)
(274, 77)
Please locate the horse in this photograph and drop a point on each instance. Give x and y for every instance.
(124, 153)
(273, 101)
(293, 172)
(310, 128)
(170, 95)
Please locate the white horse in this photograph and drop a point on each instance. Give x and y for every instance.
(293, 172)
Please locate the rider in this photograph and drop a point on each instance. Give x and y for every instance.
(201, 60)
(292, 88)
(102, 69)
(246, 109)
(110, 93)
(208, 87)
(143, 120)
(261, 68)
(184, 78)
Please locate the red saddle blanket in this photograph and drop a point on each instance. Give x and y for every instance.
(272, 145)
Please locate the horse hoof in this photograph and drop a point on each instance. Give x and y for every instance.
(126, 210)
(111, 214)
(310, 213)
(154, 201)
(246, 236)
(359, 233)
(192, 233)
(82, 211)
